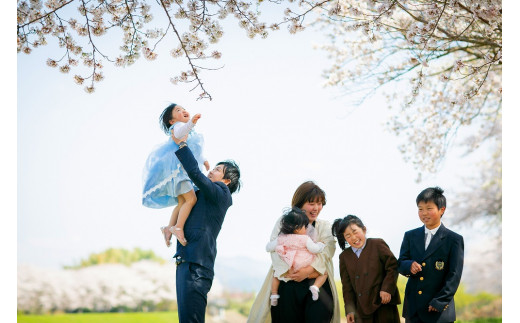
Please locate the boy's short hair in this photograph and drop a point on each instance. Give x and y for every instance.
(292, 220)
(232, 172)
(432, 194)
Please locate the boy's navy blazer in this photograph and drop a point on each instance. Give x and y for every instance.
(205, 220)
(439, 279)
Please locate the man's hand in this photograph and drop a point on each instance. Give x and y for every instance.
(195, 118)
(432, 309)
(385, 297)
(415, 268)
(350, 317)
(206, 164)
(178, 141)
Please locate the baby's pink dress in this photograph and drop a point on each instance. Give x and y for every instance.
(292, 248)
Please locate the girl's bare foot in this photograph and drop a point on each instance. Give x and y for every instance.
(167, 236)
(179, 234)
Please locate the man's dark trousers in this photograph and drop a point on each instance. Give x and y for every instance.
(195, 281)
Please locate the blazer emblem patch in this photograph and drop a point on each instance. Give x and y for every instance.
(439, 265)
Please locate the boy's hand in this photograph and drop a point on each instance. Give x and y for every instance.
(195, 118)
(350, 317)
(206, 164)
(385, 297)
(432, 309)
(415, 268)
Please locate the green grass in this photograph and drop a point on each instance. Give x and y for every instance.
(468, 306)
(152, 317)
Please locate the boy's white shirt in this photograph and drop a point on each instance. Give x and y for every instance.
(261, 310)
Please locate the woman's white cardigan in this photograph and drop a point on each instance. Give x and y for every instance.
(261, 309)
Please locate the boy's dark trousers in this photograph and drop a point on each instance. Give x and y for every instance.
(416, 319)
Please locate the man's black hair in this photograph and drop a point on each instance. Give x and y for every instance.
(232, 172)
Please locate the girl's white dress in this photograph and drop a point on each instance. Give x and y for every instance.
(164, 178)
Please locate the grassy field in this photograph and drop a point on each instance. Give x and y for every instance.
(153, 317)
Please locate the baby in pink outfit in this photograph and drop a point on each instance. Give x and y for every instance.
(295, 246)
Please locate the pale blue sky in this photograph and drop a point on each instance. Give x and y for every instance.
(80, 156)
(81, 159)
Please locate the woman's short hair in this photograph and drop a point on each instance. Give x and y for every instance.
(308, 192)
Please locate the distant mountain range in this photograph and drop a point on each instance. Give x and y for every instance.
(241, 273)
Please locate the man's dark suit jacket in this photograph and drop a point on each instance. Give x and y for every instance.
(364, 277)
(205, 220)
(439, 279)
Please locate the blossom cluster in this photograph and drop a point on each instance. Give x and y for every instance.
(192, 25)
(444, 59)
(39, 20)
(97, 288)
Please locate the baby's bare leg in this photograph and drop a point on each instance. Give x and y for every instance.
(175, 215)
(274, 291)
(167, 234)
(320, 280)
(186, 203)
(274, 285)
(189, 202)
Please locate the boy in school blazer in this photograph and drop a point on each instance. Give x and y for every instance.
(368, 271)
(432, 257)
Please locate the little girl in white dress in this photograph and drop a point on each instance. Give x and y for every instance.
(166, 183)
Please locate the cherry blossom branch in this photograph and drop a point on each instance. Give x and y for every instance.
(45, 15)
(447, 33)
(194, 70)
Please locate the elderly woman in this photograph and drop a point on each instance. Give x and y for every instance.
(295, 303)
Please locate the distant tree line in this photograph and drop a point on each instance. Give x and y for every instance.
(117, 256)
